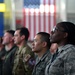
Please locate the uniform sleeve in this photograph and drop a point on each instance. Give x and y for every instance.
(70, 64)
(29, 61)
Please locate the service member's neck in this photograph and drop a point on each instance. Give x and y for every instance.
(61, 44)
(8, 47)
(21, 44)
(41, 53)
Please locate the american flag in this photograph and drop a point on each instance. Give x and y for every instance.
(39, 15)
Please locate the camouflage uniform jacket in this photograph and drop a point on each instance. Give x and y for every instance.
(64, 64)
(40, 65)
(24, 61)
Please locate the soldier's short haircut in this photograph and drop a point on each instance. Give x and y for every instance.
(45, 37)
(69, 27)
(11, 32)
(24, 31)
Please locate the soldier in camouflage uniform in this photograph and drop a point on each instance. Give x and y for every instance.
(64, 61)
(41, 46)
(24, 57)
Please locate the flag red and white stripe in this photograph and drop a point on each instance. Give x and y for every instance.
(40, 19)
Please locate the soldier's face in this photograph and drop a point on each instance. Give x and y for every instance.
(57, 34)
(7, 38)
(17, 37)
(37, 44)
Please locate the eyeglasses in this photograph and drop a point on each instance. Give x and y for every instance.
(57, 29)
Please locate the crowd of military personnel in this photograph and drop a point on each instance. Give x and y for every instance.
(18, 58)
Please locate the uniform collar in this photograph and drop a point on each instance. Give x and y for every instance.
(43, 57)
(64, 47)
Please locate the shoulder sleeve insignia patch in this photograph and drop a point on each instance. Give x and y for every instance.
(26, 57)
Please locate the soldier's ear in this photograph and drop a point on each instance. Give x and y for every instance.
(44, 44)
(23, 37)
(65, 35)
